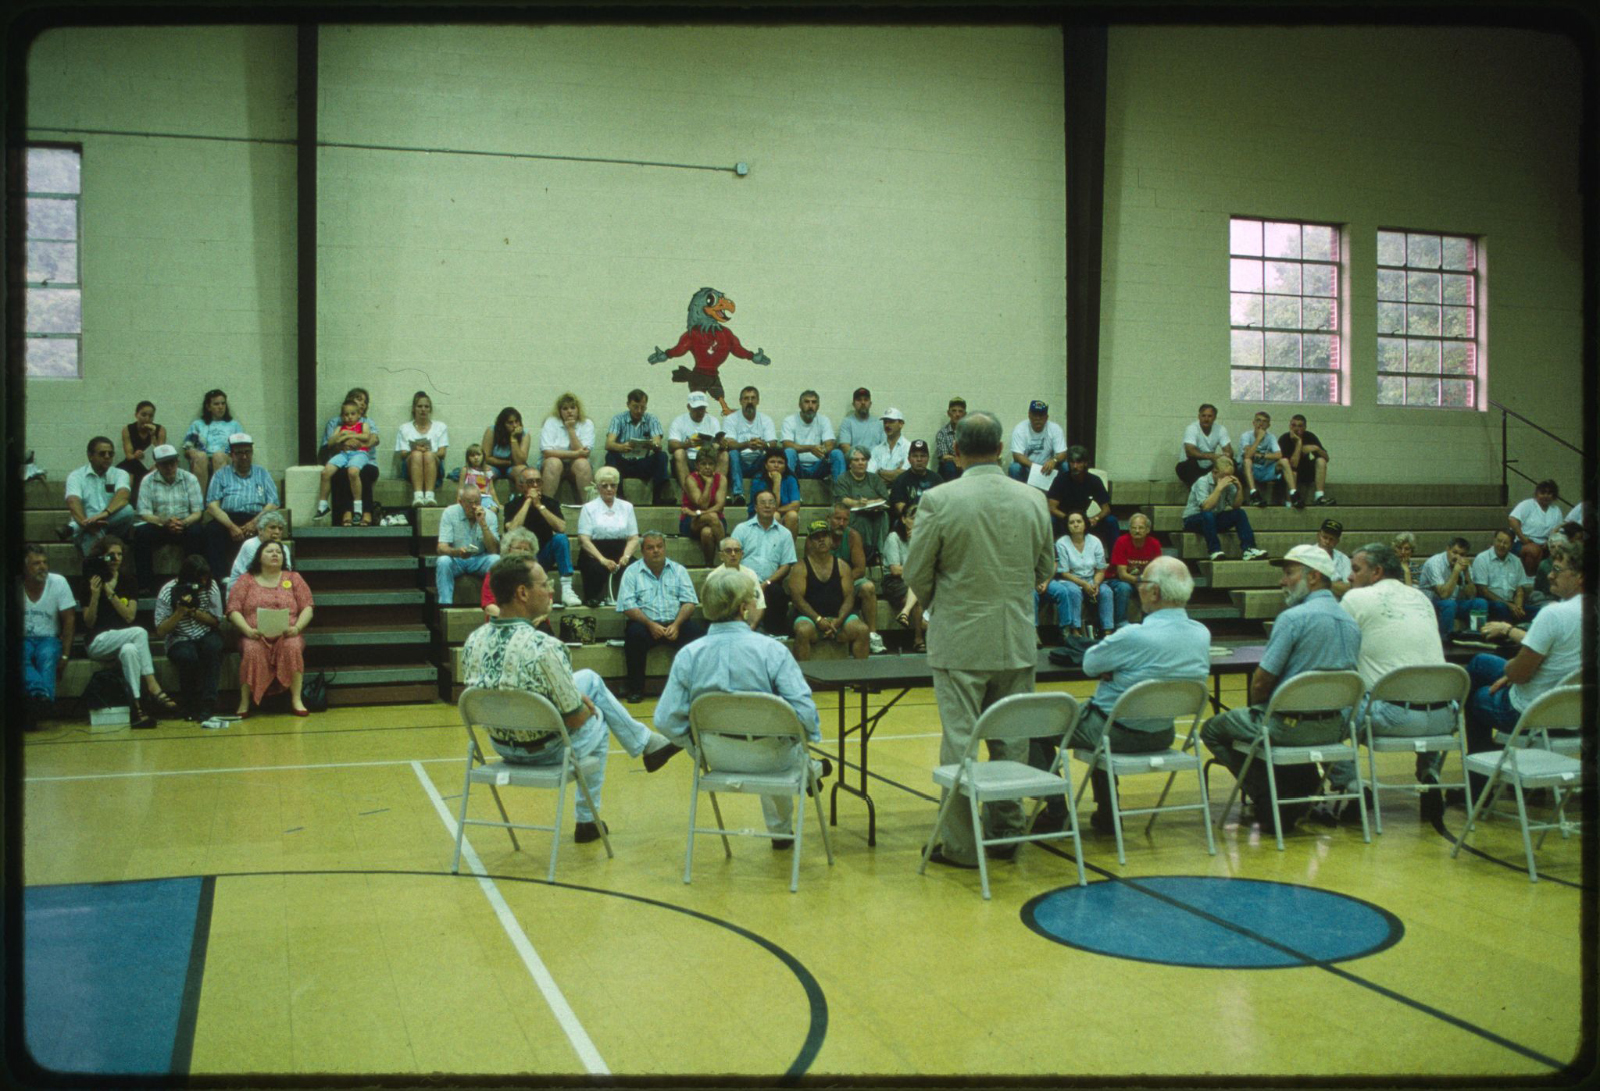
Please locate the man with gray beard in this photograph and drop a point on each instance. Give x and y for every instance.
(1313, 634)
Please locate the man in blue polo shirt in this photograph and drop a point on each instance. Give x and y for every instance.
(239, 494)
(1313, 634)
(634, 443)
(657, 598)
(769, 551)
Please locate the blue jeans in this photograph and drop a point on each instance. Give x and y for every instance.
(448, 568)
(1017, 470)
(653, 468)
(742, 464)
(824, 468)
(1449, 609)
(1209, 522)
(559, 551)
(199, 665)
(40, 655)
(1487, 711)
(1121, 592)
(1395, 720)
(1068, 598)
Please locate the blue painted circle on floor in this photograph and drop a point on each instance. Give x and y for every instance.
(1216, 923)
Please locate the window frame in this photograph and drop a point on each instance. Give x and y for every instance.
(27, 284)
(1476, 342)
(1336, 330)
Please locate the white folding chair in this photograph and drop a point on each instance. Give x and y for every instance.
(518, 711)
(1532, 767)
(757, 722)
(1441, 684)
(1020, 716)
(1332, 695)
(1152, 700)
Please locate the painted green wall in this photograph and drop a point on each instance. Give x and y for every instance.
(1468, 131)
(188, 258)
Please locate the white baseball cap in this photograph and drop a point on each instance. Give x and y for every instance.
(699, 400)
(1313, 557)
(241, 439)
(164, 452)
(891, 414)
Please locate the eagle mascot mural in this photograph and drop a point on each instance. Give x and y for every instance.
(710, 340)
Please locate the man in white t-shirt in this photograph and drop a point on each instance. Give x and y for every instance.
(1203, 440)
(893, 455)
(1531, 523)
(48, 623)
(691, 430)
(1328, 535)
(1550, 649)
(1398, 629)
(1500, 580)
(746, 436)
(99, 498)
(1037, 441)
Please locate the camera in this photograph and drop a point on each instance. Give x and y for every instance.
(187, 593)
(96, 566)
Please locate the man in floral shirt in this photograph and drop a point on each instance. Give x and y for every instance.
(509, 653)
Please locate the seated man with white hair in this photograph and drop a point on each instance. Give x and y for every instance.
(731, 658)
(509, 653)
(730, 551)
(1168, 645)
(468, 545)
(271, 527)
(1313, 634)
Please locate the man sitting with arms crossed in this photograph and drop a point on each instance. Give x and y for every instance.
(860, 428)
(892, 457)
(1446, 578)
(1398, 629)
(1073, 491)
(1304, 456)
(1263, 460)
(824, 596)
(731, 658)
(769, 551)
(808, 441)
(747, 436)
(944, 440)
(1168, 645)
(1129, 556)
(1501, 580)
(657, 598)
(98, 496)
(1548, 650)
(468, 545)
(1203, 440)
(530, 510)
(910, 485)
(509, 653)
(1313, 634)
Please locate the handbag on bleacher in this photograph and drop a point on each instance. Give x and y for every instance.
(578, 628)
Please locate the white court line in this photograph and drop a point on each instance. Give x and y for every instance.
(559, 1007)
(343, 764)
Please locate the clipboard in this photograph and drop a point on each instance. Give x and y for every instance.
(271, 622)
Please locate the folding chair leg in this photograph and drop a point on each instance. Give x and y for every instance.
(1472, 812)
(1162, 798)
(1272, 792)
(977, 837)
(1527, 842)
(505, 817)
(938, 824)
(594, 805)
(461, 819)
(555, 836)
(1116, 817)
(822, 824)
(694, 808)
(1205, 809)
(1372, 776)
(1077, 843)
(797, 828)
(1361, 794)
(716, 809)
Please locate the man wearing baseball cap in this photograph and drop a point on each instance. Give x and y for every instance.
(169, 509)
(859, 427)
(1328, 536)
(944, 440)
(824, 597)
(912, 483)
(692, 429)
(893, 456)
(238, 495)
(1313, 634)
(1037, 441)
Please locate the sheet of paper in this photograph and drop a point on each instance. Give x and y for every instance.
(1039, 479)
(271, 622)
(873, 505)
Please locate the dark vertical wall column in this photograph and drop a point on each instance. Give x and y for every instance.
(306, 240)
(1085, 92)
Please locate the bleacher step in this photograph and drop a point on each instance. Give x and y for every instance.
(1388, 519)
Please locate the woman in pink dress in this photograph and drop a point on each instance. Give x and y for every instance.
(267, 665)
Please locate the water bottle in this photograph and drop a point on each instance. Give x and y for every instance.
(1476, 618)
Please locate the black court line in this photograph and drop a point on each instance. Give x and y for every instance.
(189, 1009)
(1312, 962)
(817, 1000)
(1439, 826)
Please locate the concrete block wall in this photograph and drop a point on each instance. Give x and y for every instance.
(902, 225)
(1430, 128)
(188, 252)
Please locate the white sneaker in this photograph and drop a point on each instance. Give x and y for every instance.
(323, 507)
(875, 644)
(1218, 555)
(418, 499)
(427, 498)
(569, 597)
(1254, 554)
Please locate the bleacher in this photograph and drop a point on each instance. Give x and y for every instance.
(381, 637)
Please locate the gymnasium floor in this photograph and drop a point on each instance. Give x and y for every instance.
(275, 898)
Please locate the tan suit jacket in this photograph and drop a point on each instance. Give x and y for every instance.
(980, 547)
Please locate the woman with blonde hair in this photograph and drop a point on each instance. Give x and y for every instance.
(565, 442)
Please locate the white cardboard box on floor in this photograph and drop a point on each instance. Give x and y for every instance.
(109, 719)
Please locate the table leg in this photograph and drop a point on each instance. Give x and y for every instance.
(833, 794)
(872, 812)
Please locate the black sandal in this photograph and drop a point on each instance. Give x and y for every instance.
(167, 704)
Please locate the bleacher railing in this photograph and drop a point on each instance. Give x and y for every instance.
(1508, 464)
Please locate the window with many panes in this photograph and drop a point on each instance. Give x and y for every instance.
(1284, 277)
(53, 323)
(1427, 319)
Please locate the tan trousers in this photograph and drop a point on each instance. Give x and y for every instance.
(962, 697)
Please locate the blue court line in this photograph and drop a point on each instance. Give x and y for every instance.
(1311, 961)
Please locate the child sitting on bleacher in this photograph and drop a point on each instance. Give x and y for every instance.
(352, 460)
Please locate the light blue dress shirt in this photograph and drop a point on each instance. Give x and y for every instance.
(731, 658)
(1168, 645)
(1316, 635)
(244, 494)
(657, 597)
(765, 550)
(456, 530)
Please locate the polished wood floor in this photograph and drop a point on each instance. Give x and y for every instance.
(339, 942)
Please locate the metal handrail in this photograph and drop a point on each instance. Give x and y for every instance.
(1505, 459)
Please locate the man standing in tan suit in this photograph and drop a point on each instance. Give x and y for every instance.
(981, 546)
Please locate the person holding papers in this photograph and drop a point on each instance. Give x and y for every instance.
(271, 608)
(866, 494)
(1037, 443)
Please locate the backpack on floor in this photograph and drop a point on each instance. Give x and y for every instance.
(107, 689)
(314, 692)
(1071, 652)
